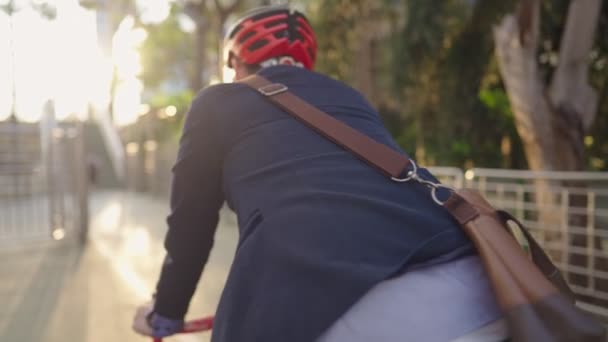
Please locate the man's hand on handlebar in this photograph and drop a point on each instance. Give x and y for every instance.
(148, 323)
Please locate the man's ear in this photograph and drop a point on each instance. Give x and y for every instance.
(240, 69)
(235, 64)
(230, 62)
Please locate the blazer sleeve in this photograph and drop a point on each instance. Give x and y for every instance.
(196, 198)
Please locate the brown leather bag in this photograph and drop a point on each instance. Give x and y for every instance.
(536, 301)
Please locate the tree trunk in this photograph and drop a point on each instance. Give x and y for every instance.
(222, 16)
(197, 11)
(220, 48)
(362, 68)
(551, 120)
(573, 100)
(200, 57)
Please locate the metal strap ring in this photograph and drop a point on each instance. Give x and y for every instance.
(410, 174)
(434, 193)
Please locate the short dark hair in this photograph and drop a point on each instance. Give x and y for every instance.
(251, 68)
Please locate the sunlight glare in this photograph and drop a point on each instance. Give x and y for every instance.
(137, 241)
(33, 38)
(109, 218)
(125, 42)
(100, 92)
(186, 24)
(171, 110)
(127, 101)
(153, 11)
(126, 58)
(5, 86)
(78, 69)
(54, 59)
(140, 289)
(228, 74)
(58, 234)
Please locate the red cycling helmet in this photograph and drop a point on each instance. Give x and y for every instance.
(270, 32)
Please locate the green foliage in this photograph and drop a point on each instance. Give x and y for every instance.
(167, 53)
(172, 125)
(444, 76)
(496, 100)
(180, 100)
(46, 9)
(597, 151)
(441, 92)
(335, 22)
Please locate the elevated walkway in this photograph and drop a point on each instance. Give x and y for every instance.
(57, 292)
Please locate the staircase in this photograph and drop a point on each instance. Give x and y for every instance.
(21, 168)
(24, 210)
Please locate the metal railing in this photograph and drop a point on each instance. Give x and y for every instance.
(451, 176)
(148, 166)
(43, 192)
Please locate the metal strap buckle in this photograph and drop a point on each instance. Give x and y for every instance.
(272, 89)
(412, 175)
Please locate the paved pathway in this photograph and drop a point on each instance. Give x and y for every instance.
(62, 292)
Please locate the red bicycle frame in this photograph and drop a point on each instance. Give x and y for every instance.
(197, 325)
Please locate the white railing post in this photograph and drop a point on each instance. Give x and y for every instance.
(500, 195)
(591, 238)
(458, 181)
(565, 241)
(519, 204)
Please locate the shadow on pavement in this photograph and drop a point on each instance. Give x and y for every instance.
(39, 278)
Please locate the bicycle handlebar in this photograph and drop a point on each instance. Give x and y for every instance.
(197, 325)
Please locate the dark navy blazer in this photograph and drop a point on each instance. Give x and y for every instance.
(318, 227)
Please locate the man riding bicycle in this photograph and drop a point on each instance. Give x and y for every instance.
(329, 249)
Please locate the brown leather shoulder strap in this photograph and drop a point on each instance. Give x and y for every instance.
(376, 154)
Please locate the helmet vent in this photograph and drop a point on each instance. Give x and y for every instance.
(246, 36)
(274, 23)
(258, 44)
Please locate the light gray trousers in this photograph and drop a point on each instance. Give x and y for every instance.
(447, 302)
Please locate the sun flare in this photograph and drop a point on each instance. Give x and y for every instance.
(61, 60)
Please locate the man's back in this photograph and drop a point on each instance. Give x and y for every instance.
(321, 233)
(318, 227)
